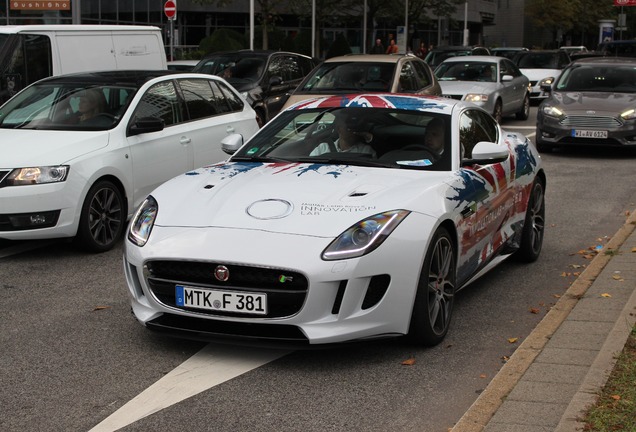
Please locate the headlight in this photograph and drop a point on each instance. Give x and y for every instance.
(629, 114)
(472, 97)
(365, 236)
(551, 111)
(37, 175)
(546, 81)
(142, 223)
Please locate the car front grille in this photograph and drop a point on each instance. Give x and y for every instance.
(583, 121)
(286, 290)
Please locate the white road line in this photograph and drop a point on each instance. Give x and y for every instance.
(211, 366)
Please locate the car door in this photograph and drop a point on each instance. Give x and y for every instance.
(487, 203)
(158, 156)
(514, 89)
(213, 113)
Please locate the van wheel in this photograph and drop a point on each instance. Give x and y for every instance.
(102, 219)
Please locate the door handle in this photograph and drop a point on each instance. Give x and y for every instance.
(184, 140)
(230, 129)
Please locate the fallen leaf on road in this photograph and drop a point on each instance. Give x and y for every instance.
(409, 362)
(618, 278)
(634, 250)
(606, 295)
(98, 308)
(534, 310)
(512, 340)
(616, 397)
(483, 376)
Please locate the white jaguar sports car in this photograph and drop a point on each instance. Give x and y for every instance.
(340, 220)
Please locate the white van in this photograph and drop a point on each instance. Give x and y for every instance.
(32, 52)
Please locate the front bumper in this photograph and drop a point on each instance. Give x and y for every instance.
(551, 130)
(340, 301)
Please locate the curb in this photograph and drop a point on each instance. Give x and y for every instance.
(489, 401)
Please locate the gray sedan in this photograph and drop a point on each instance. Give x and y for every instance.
(593, 102)
(494, 83)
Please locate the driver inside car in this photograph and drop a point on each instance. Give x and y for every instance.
(351, 138)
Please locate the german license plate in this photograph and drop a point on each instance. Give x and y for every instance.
(580, 133)
(222, 301)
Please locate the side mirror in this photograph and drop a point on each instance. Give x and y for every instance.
(275, 81)
(485, 153)
(231, 143)
(145, 125)
(506, 78)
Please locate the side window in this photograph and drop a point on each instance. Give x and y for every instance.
(293, 70)
(305, 65)
(423, 77)
(160, 101)
(37, 52)
(199, 98)
(475, 126)
(276, 67)
(228, 101)
(408, 81)
(509, 68)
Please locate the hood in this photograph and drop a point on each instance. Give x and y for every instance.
(599, 102)
(305, 199)
(539, 74)
(465, 87)
(25, 148)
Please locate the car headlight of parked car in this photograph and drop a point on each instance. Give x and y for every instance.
(142, 223)
(365, 236)
(546, 81)
(37, 175)
(629, 114)
(474, 97)
(552, 111)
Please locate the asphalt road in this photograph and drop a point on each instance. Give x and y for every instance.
(73, 357)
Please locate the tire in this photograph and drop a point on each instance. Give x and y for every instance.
(435, 297)
(260, 117)
(103, 218)
(533, 226)
(497, 112)
(524, 113)
(543, 147)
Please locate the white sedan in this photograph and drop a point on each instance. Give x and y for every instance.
(81, 152)
(362, 241)
(493, 83)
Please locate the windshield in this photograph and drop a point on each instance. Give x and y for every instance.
(388, 138)
(233, 68)
(467, 71)
(598, 78)
(66, 106)
(350, 76)
(537, 61)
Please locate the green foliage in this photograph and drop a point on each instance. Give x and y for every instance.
(223, 40)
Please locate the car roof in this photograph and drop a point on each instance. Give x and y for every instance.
(251, 53)
(473, 58)
(610, 61)
(382, 100)
(120, 77)
(379, 58)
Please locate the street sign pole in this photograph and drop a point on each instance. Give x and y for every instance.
(170, 9)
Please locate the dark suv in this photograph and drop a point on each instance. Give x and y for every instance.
(265, 78)
(439, 54)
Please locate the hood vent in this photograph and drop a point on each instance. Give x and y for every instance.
(357, 194)
(208, 186)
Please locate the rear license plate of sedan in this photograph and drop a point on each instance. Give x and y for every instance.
(580, 133)
(222, 301)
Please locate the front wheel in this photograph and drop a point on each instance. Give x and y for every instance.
(102, 219)
(524, 112)
(498, 112)
(435, 295)
(533, 226)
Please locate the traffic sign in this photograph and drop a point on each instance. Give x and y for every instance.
(170, 9)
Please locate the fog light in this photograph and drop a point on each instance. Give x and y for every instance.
(25, 221)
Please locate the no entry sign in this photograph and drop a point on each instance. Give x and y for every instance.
(170, 9)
